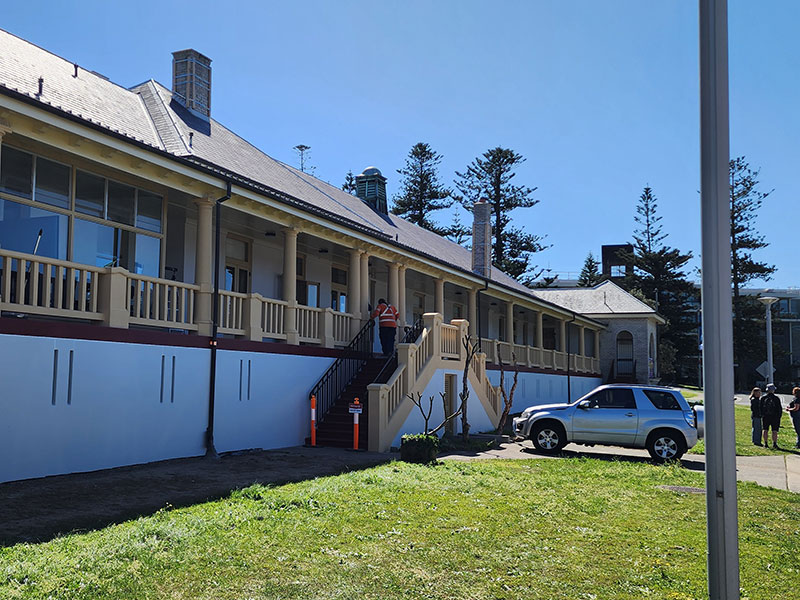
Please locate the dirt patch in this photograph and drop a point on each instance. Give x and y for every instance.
(39, 509)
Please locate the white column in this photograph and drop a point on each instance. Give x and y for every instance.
(354, 291)
(401, 294)
(510, 322)
(582, 340)
(204, 265)
(596, 344)
(539, 330)
(364, 286)
(472, 311)
(562, 335)
(438, 297)
(391, 291)
(290, 284)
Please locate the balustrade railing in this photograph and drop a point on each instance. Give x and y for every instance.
(231, 312)
(308, 323)
(272, 318)
(341, 327)
(46, 286)
(449, 341)
(159, 302)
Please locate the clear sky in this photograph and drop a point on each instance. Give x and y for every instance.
(602, 98)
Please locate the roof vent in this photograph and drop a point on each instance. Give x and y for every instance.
(191, 82)
(482, 239)
(371, 188)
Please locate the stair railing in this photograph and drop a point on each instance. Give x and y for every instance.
(390, 366)
(343, 370)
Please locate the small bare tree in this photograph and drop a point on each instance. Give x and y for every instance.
(417, 400)
(508, 397)
(471, 349)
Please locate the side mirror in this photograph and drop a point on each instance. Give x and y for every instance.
(584, 404)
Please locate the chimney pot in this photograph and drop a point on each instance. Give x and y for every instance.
(482, 239)
(191, 82)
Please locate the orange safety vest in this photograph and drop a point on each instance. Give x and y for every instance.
(387, 315)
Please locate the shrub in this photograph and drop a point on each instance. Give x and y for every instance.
(419, 448)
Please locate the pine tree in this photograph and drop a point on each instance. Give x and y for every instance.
(421, 193)
(745, 201)
(349, 184)
(490, 177)
(658, 275)
(458, 232)
(590, 274)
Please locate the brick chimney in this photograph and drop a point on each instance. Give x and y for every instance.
(482, 239)
(191, 82)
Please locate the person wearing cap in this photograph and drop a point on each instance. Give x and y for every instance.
(755, 415)
(794, 412)
(771, 413)
(387, 325)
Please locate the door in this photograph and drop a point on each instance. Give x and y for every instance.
(237, 265)
(611, 418)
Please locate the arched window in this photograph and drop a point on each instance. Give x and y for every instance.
(624, 354)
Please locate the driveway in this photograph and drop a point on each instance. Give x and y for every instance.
(782, 471)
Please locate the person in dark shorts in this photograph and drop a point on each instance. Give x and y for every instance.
(755, 415)
(771, 413)
(794, 412)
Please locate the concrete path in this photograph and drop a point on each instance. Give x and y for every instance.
(780, 471)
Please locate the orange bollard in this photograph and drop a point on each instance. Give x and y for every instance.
(356, 410)
(313, 420)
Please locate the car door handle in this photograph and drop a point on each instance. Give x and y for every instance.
(629, 414)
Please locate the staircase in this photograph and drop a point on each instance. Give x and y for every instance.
(336, 429)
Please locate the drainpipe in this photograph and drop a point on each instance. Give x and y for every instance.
(569, 389)
(212, 380)
(478, 310)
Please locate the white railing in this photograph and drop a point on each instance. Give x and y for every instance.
(504, 352)
(531, 356)
(231, 312)
(341, 327)
(47, 286)
(449, 341)
(272, 317)
(160, 302)
(308, 319)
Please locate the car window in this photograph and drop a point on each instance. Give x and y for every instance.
(621, 398)
(662, 400)
(597, 399)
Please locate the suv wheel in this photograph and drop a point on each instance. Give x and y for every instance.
(665, 445)
(548, 437)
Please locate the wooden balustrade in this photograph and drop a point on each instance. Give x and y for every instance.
(46, 286)
(308, 325)
(450, 342)
(231, 312)
(272, 318)
(504, 352)
(341, 327)
(157, 302)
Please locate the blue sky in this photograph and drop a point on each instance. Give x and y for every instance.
(600, 97)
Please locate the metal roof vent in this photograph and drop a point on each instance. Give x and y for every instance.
(371, 188)
(191, 82)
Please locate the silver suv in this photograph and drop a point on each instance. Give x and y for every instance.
(634, 416)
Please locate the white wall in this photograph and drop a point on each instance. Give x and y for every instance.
(262, 399)
(118, 412)
(123, 409)
(544, 388)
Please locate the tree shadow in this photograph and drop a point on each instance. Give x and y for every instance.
(687, 462)
(38, 510)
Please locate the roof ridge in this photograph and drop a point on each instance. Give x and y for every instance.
(155, 85)
(150, 120)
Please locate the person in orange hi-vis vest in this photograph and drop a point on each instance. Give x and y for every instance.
(387, 325)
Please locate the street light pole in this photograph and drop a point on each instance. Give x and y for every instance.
(768, 301)
(722, 528)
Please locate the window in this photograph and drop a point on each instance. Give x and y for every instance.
(52, 183)
(121, 203)
(617, 270)
(237, 265)
(613, 398)
(16, 172)
(501, 329)
(662, 400)
(458, 311)
(20, 225)
(106, 246)
(625, 362)
(90, 194)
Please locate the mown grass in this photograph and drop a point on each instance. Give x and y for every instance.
(532, 529)
(744, 443)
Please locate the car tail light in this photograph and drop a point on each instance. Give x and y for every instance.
(690, 418)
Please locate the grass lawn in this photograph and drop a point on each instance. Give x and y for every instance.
(529, 529)
(744, 443)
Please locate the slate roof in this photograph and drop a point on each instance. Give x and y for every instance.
(148, 114)
(603, 300)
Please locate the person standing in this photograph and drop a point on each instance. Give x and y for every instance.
(771, 413)
(755, 415)
(387, 325)
(794, 412)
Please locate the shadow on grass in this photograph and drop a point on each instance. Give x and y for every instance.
(38, 510)
(686, 461)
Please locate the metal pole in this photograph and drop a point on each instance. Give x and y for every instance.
(723, 545)
(769, 345)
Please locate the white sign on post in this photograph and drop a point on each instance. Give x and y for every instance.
(763, 369)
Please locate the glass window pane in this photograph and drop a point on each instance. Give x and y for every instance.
(343, 303)
(90, 192)
(121, 202)
(313, 295)
(52, 183)
(20, 226)
(148, 255)
(93, 244)
(230, 275)
(124, 250)
(16, 168)
(149, 211)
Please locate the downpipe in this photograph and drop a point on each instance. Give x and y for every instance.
(211, 451)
